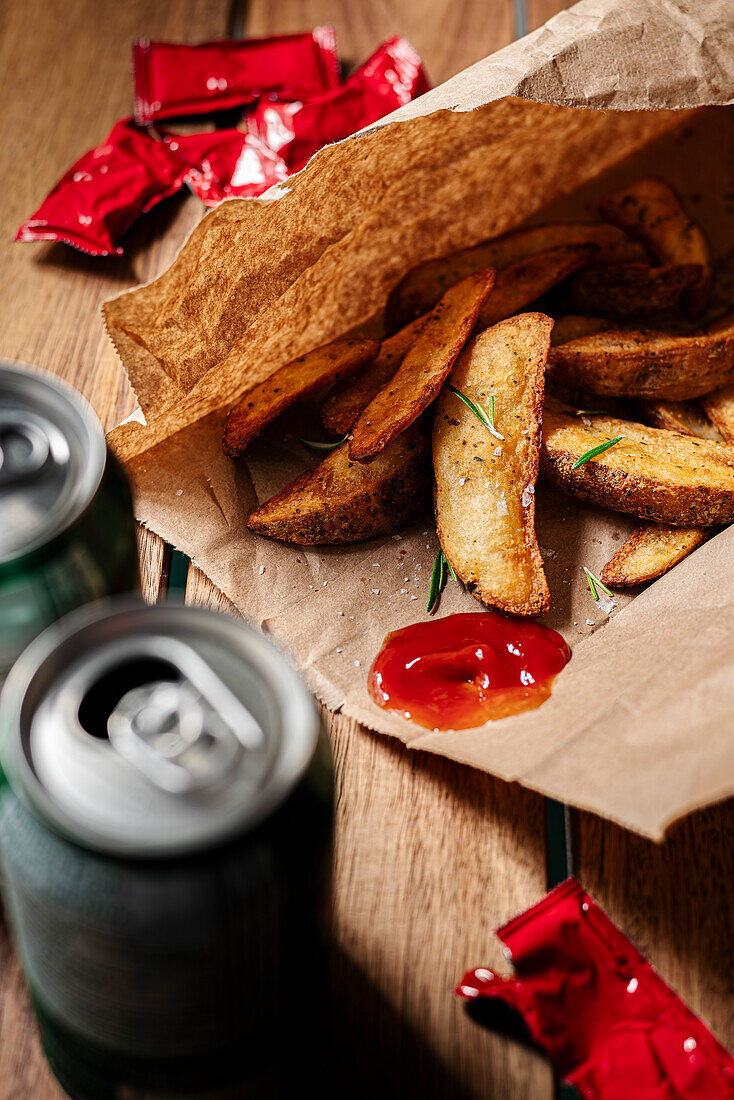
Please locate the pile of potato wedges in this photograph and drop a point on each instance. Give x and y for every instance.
(500, 366)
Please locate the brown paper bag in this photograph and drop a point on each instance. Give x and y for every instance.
(637, 729)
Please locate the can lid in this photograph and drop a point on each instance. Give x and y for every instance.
(52, 457)
(149, 731)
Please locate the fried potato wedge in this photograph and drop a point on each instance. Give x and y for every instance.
(686, 417)
(345, 501)
(485, 486)
(651, 473)
(651, 211)
(650, 551)
(521, 283)
(647, 364)
(289, 384)
(719, 407)
(572, 326)
(349, 398)
(629, 290)
(422, 287)
(420, 376)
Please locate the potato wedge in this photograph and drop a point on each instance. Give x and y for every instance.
(422, 287)
(654, 474)
(628, 290)
(485, 486)
(686, 417)
(572, 326)
(651, 211)
(420, 376)
(289, 384)
(647, 364)
(650, 551)
(344, 501)
(521, 283)
(349, 398)
(719, 407)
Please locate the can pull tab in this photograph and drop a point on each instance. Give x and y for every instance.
(24, 450)
(171, 733)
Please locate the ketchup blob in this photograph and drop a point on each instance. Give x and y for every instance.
(465, 670)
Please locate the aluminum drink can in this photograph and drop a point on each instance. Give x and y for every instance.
(67, 532)
(165, 847)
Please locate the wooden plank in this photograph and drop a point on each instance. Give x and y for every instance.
(448, 34)
(64, 81)
(430, 857)
(155, 565)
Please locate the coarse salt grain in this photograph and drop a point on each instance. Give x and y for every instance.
(261, 570)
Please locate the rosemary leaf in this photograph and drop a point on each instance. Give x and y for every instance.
(435, 587)
(595, 585)
(599, 449)
(317, 445)
(486, 418)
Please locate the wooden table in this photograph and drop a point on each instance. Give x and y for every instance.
(430, 856)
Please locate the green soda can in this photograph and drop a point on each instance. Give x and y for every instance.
(67, 534)
(165, 849)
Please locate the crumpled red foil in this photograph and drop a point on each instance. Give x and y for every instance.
(609, 1023)
(227, 164)
(392, 76)
(105, 191)
(173, 79)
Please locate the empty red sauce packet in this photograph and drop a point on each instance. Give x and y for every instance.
(227, 164)
(105, 191)
(392, 76)
(173, 79)
(609, 1023)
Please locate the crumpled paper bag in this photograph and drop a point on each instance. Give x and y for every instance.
(637, 728)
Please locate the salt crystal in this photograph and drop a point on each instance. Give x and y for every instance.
(339, 650)
(497, 451)
(356, 664)
(462, 480)
(179, 492)
(375, 591)
(589, 622)
(375, 565)
(527, 495)
(403, 591)
(261, 570)
(325, 584)
(414, 597)
(606, 604)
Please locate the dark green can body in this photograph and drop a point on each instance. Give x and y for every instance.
(68, 533)
(173, 928)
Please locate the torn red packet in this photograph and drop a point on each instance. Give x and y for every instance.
(105, 191)
(392, 76)
(609, 1023)
(227, 164)
(173, 79)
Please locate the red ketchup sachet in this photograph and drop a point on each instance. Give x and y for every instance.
(227, 164)
(172, 79)
(609, 1023)
(105, 191)
(392, 76)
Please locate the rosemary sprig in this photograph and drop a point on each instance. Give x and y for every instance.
(593, 412)
(441, 567)
(599, 449)
(486, 418)
(595, 584)
(317, 445)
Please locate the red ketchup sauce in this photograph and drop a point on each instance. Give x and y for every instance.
(465, 670)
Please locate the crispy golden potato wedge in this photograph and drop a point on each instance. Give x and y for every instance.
(572, 326)
(719, 407)
(349, 398)
(420, 376)
(289, 384)
(650, 551)
(423, 286)
(647, 364)
(521, 283)
(345, 501)
(485, 486)
(651, 473)
(628, 290)
(686, 417)
(651, 211)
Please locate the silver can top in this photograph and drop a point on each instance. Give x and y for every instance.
(52, 458)
(151, 731)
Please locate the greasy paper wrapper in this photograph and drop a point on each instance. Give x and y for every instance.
(638, 728)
